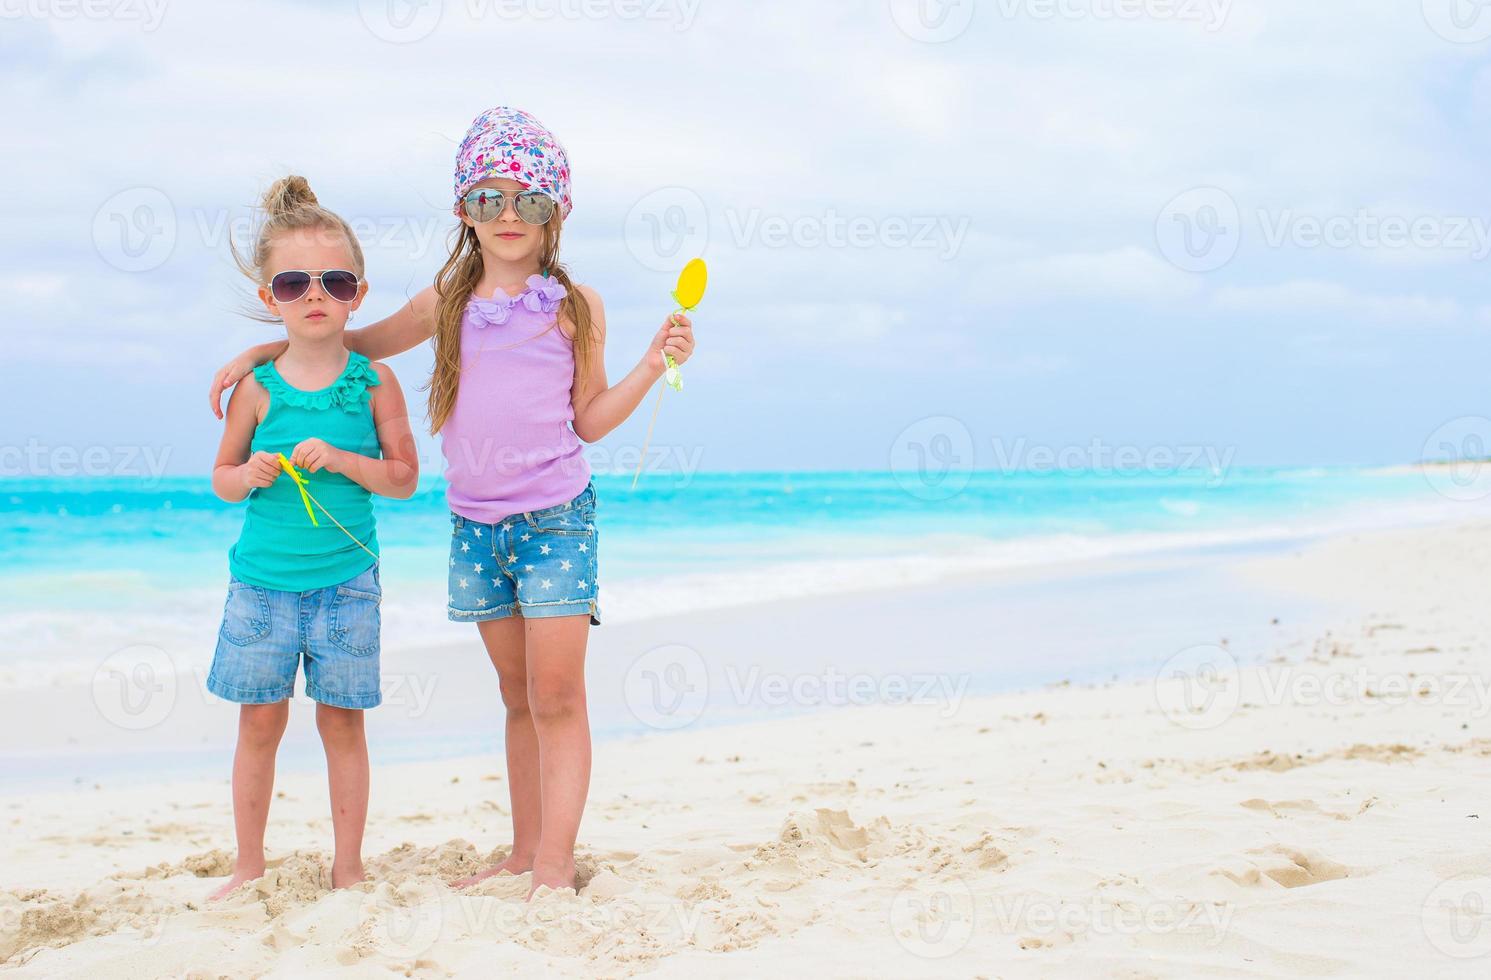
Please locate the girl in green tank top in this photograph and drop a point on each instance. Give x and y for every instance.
(303, 586)
(279, 547)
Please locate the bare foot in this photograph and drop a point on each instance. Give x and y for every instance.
(239, 877)
(555, 874)
(513, 865)
(350, 874)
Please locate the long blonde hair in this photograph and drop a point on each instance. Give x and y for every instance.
(290, 205)
(454, 284)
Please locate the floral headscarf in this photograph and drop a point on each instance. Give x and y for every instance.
(507, 142)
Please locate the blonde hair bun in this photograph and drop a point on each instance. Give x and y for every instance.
(288, 194)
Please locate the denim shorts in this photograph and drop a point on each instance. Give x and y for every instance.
(535, 564)
(265, 633)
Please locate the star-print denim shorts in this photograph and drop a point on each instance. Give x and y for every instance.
(534, 564)
(266, 632)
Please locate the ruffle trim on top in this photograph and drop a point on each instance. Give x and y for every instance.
(543, 295)
(349, 392)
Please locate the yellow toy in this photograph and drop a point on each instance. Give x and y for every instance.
(307, 499)
(687, 294)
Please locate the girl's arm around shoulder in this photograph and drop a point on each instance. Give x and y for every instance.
(397, 473)
(395, 437)
(238, 471)
(599, 408)
(241, 367)
(412, 325)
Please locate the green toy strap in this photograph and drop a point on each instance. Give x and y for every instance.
(672, 376)
(307, 499)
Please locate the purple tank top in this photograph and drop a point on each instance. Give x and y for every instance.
(508, 443)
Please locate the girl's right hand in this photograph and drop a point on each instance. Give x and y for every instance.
(228, 376)
(261, 470)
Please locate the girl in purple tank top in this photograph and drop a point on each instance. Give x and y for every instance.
(519, 382)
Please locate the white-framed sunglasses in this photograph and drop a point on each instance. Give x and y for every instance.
(292, 284)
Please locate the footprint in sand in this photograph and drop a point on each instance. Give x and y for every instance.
(1285, 866)
(1282, 809)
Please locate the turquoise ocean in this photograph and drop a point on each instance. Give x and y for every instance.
(88, 566)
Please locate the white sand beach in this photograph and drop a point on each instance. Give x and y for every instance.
(1318, 810)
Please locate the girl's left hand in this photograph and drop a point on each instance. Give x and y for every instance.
(676, 337)
(314, 455)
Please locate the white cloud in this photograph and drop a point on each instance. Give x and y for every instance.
(1057, 141)
(36, 286)
(1129, 274)
(1305, 298)
(828, 324)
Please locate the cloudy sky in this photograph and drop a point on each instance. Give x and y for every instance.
(1257, 225)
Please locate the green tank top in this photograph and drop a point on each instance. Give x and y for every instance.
(279, 548)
